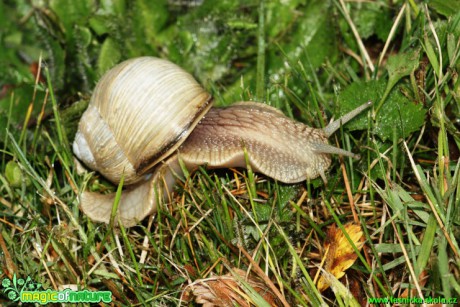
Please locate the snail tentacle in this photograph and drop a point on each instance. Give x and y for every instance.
(335, 125)
(326, 148)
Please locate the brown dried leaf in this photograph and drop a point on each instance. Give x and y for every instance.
(226, 290)
(340, 254)
(422, 280)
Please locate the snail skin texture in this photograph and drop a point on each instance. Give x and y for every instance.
(147, 114)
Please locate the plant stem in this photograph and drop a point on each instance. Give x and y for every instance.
(260, 85)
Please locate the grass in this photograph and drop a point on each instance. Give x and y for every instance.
(404, 192)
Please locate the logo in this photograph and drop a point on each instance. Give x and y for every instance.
(28, 291)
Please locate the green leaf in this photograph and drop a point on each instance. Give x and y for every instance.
(451, 47)
(399, 66)
(149, 18)
(365, 16)
(432, 55)
(397, 113)
(13, 174)
(99, 24)
(384, 22)
(110, 55)
(445, 7)
(113, 7)
(85, 36)
(313, 41)
(72, 12)
(279, 15)
(417, 207)
(402, 64)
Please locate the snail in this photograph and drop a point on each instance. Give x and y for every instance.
(146, 116)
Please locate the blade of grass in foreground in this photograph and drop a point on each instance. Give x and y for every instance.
(41, 185)
(62, 138)
(312, 292)
(260, 86)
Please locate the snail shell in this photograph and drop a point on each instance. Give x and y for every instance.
(146, 114)
(140, 112)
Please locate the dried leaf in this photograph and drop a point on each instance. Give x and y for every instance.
(340, 254)
(228, 290)
(422, 280)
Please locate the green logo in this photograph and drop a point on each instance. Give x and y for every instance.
(28, 291)
(13, 288)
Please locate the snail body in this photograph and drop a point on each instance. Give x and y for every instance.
(147, 114)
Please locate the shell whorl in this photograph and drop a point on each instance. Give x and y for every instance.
(140, 112)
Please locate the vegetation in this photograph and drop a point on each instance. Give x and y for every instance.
(397, 208)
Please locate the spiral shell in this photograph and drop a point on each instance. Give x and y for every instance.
(140, 112)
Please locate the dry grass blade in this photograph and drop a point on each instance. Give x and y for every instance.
(261, 274)
(357, 36)
(10, 268)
